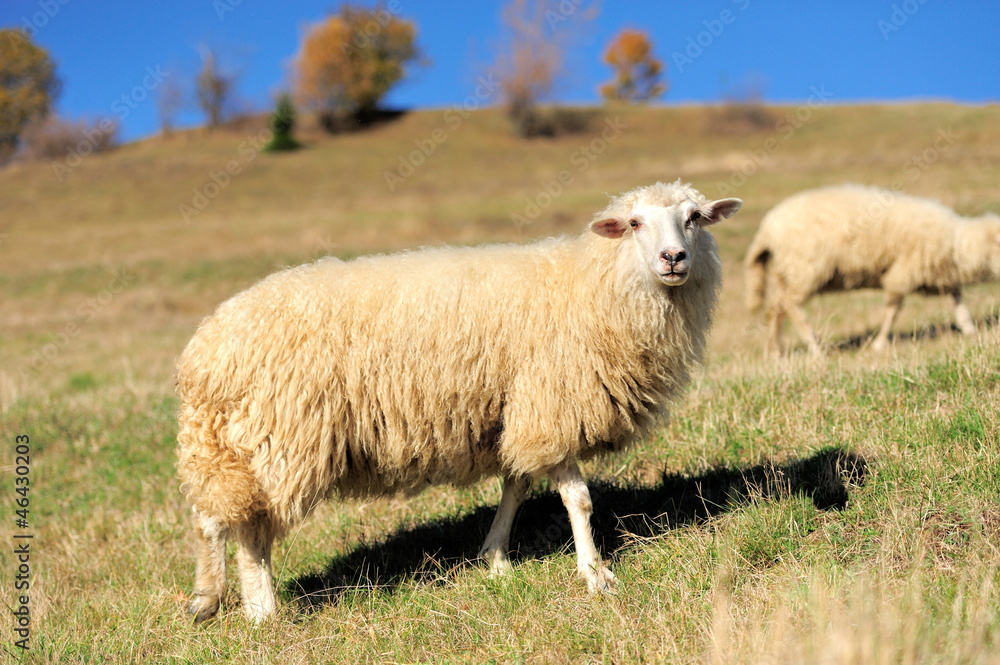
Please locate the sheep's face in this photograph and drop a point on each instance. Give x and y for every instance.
(991, 229)
(666, 237)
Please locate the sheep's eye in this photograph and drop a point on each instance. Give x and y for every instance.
(695, 216)
(634, 223)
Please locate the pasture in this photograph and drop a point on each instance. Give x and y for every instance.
(843, 509)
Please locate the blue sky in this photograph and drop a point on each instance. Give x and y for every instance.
(856, 50)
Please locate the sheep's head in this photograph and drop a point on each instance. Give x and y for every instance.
(990, 239)
(663, 224)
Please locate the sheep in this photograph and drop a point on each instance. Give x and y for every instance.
(851, 236)
(388, 374)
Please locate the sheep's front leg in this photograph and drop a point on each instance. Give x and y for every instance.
(962, 316)
(496, 547)
(892, 303)
(576, 498)
(797, 316)
(776, 321)
(253, 561)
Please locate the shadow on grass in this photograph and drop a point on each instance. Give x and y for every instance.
(621, 512)
(930, 332)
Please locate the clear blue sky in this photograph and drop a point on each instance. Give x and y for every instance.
(858, 49)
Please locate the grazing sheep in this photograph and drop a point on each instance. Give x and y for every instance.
(392, 373)
(852, 237)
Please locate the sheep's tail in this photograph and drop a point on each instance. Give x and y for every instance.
(756, 276)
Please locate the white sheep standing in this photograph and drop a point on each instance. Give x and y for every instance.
(851, 237)
(392, 373)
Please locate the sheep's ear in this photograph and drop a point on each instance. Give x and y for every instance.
(610, 227)
(716, 211)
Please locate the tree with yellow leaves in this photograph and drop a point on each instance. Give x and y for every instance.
(28, 87)
(637, 71)
(349, 61)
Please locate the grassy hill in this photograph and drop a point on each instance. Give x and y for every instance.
(833, 510)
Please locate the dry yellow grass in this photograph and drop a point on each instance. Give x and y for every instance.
(60, 240)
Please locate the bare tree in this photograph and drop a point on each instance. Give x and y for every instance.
(214, 90)
(531, 59)
(170, 101)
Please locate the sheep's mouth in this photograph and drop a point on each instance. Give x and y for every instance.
(674, 277)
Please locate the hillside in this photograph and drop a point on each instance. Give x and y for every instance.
(156, 210)
(846, 503)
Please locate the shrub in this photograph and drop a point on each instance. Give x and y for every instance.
(55, 138)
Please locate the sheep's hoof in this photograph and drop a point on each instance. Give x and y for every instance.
(601, 580)
(203, 608)
(500, 567)
(499, 562)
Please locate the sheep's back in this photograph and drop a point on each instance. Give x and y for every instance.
(851, 236)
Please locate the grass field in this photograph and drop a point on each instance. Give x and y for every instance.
(834, 510)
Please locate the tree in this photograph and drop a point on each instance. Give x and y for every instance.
(28, 87)
(214, 91)
(349, 61)
(637, 71)
(282, 124)
(535, 37)
(170, 101)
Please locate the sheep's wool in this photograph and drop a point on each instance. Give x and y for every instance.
(391, 373)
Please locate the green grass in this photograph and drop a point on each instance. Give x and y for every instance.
(840, 510)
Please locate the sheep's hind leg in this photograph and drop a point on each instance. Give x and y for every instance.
(497, 544)
(253, 560)
(962, 316)
(210, 570)
(576, 498)
(892, 303)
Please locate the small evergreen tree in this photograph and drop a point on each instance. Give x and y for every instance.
(282, 124)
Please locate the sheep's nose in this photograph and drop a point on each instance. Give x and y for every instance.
(672, 258)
